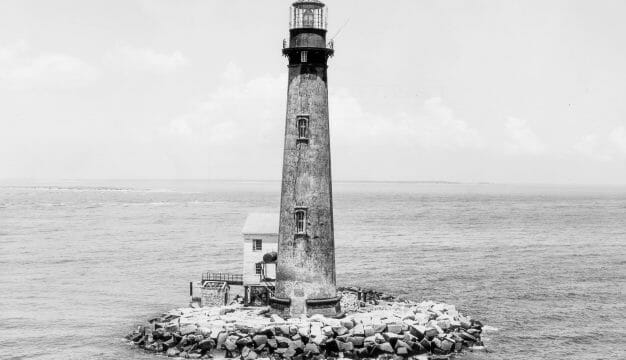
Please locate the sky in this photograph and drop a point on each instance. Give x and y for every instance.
(428, 90)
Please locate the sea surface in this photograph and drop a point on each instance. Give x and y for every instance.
(543, 266)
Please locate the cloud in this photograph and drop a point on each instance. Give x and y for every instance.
(618, 139)
(131, 58)
(522, 140)
(605, 148)
(22, 67)
(248, 109)
(590, 146)
(442, 128)
(240, 122)
(434, 126)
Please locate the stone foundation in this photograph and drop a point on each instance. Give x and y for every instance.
(372, 328)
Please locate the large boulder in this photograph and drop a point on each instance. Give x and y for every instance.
(272, 343)
(345, 346)
(385, 347)
(356, 340)
(331, 345)
(369, 341)
(394, 328)
(347, 323)
(230, 345)
(188, 329)
(311, 348)
(169, 343)
(418, 331)
(379, 327)
(431, 332)
(444, 324)
(358, 330)
(206, 344)
(284, 330)
(402, 344)
(444, 344)
(328, 331)
(297, 345)
(316, 329)
(389, 336)
(318, 339)
(259, 340)
(422, 318)
(221, 339)
(282, 341)
(466, 336)
(340, 330)
(172, 352)
(244, 341)
(289, 353)
(137, 337)
(304, 330)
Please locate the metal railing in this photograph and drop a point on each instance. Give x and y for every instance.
(223, 277)
(329, 45)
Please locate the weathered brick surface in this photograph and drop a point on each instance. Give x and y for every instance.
(306, 264)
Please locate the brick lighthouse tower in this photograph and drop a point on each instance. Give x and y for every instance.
(305, 274)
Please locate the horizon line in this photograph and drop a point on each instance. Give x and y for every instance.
(441, 182)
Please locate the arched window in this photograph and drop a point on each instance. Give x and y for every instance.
(301, 221)
(308, 19)
(303, 128)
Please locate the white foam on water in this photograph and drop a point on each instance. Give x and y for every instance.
(488, 328)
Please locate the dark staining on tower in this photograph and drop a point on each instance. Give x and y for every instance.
(305, 279)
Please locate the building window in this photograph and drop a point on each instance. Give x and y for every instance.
(258, 268)
(303, 128)
(303, 56)
(301, 221)
(257, 245)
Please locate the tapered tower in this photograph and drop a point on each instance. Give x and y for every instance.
(305, 274)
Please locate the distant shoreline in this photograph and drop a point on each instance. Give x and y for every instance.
(87, 183)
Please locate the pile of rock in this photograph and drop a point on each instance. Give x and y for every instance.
(354, 298)
(389, 329)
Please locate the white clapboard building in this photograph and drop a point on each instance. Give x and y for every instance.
(260, 246)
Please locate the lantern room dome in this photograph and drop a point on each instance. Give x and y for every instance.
(309, 3)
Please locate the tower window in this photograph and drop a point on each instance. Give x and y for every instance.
(258, 268)
(303, 128)
(301, 221)
(303, 56)
(257, 245)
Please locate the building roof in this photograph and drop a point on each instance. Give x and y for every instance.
(261, 223)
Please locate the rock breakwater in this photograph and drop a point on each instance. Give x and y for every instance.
(370, 328)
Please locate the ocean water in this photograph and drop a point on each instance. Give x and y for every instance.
(543, 266)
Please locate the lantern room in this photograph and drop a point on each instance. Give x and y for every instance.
(308, 14)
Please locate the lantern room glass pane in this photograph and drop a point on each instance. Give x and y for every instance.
(308, 20)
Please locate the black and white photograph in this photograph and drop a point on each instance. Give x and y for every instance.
(312, 179)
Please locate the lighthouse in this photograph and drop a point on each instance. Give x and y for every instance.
(305, 271)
